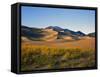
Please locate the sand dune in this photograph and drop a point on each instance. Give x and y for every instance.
(83, 43)
(50, 35)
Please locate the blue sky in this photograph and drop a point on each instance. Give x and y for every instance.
(73, 19)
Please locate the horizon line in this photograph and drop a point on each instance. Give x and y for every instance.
(58, 26)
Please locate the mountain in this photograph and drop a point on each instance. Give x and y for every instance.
(50, 33)
(31, 32)
(65, 31)
(56, 28)
(79, 33)
(91, 34)
(38, 34)
(69, 32)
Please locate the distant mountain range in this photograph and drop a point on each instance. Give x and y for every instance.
(66, 31)
(52, 33)
(91, 34)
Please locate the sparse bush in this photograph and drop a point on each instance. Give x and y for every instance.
(43, 57)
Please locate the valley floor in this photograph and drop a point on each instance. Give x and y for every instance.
(37, 55)
(83, 43)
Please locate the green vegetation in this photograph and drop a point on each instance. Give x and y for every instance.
(42, 57)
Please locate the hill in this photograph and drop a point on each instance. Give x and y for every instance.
(51, 33)
(91, 34)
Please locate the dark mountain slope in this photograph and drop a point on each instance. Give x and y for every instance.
(91, 34)
(31, 32)
(79, 33)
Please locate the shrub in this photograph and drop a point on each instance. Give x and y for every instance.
(43, 57)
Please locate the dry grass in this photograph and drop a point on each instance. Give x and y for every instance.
(37, 57)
